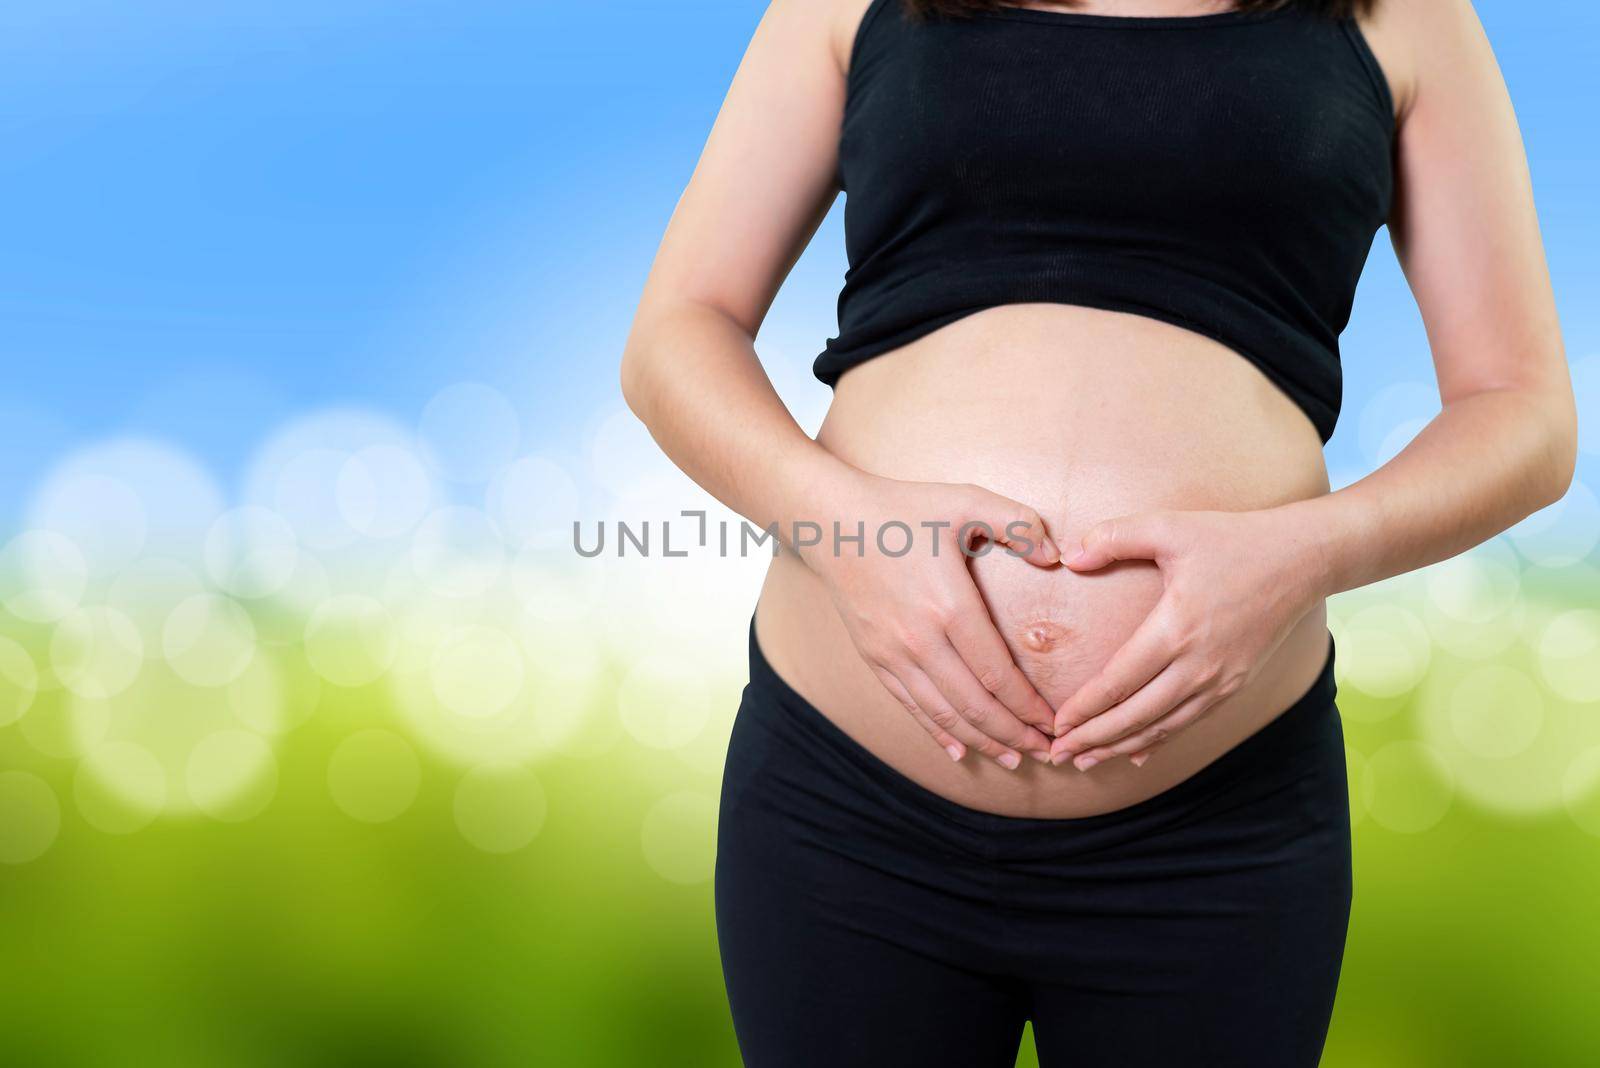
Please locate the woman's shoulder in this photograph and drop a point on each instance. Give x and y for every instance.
(849, 18)
(834, 25)
(1412, 39)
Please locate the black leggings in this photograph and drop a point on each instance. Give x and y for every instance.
(865, 920)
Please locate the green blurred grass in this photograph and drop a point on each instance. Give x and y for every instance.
(302, 937)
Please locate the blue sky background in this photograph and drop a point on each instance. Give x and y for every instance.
(219, 217)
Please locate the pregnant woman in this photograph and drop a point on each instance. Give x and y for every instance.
(1048, 731)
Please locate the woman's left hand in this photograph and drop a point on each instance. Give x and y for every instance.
(1235, 584)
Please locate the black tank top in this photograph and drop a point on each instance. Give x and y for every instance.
(1225, 173)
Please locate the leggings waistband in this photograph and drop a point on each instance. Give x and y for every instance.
(1266, 753)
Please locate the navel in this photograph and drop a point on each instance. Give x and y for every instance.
(1043, 635)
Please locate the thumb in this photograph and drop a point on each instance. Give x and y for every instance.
(1129, 537)
(1016, 526)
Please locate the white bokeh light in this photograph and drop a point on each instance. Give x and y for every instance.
(539, 686)
(684, 599)
(1569, 655)
(231, 775)
(275, 693)
(458, 552)
(1546, 594)
(30, 817)
(567, 669)
(302, 473)
(209, 640)
(664, 701)
(384, 490)
(19, 681)
(308, 483)
(1580, 790)
(1472, 600)
(1355, 771)
(535, 501)
(251, 552)
(1397, 439)
(499, 808)
(1564, 533)
(1586, 384)
(679, 837)
(57, 727)
(43, 576)
(1386, 652)
(100, 514)
(1495, 712)
(792, 377)
(120, 499)
(350, 640)
(477, 671)
(557, 586)
(120, 788)
(708, 752)
(1406, 787)
(1504, 743)
(469, 431)
(282, 616)
(207, 762)
(1392, 417)
(374, 776)
(625, 460)
(96, 651)
(147, 591)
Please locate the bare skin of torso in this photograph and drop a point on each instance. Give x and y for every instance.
(1085, 415)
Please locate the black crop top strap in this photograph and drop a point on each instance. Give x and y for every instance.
(1226, 173)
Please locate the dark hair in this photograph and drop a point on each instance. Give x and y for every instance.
(1332, 8)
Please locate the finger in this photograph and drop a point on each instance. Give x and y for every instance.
(978, 706)
(932, 702)
(1140, 744)
(1016, 526)
(979, 644)
(1170, 688)
(1146, 653)
(1128, 537)
(897, 689)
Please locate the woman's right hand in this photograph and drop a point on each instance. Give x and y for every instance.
(914, 612)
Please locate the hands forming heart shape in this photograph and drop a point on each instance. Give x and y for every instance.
(1233, 586)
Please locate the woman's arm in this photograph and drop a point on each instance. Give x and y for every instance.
(1464, 228)
(762, 186)
(1502, 447)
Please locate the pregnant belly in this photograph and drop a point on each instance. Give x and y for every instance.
(1084, 415)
